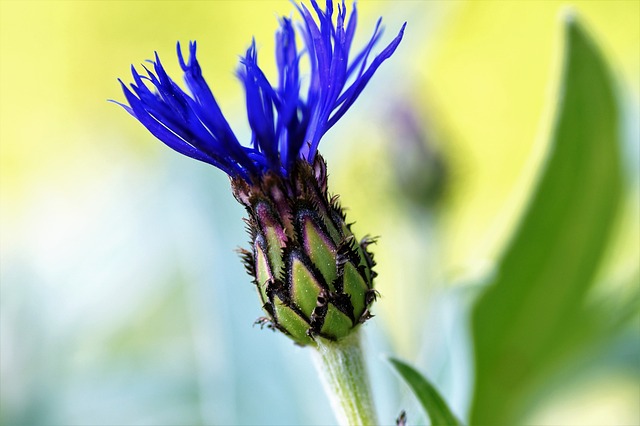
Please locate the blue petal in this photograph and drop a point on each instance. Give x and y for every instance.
(162, 132)
(261, 102)
(285, 125)
(207, 109)
(347, 99)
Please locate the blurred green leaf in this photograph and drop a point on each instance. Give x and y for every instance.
(533, 316)
(435, 406)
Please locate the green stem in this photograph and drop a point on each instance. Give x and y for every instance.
(344, 376)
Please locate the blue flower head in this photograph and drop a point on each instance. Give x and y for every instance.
(313, 277)
(287, 120)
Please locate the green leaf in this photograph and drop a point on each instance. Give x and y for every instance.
(435, 406)
(533, 317)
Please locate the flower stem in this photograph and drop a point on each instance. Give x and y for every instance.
(342, 369)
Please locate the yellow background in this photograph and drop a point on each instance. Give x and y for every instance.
(74, 167)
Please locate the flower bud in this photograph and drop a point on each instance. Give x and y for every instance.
(312, 276)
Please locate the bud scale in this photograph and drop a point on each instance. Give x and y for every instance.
(312, 276)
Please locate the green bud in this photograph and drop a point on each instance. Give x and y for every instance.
(313, 277)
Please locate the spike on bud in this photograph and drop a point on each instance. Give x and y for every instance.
(312, 276)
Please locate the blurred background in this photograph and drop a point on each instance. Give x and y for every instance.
(122, 300)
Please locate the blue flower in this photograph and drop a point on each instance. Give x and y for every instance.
(287, 121)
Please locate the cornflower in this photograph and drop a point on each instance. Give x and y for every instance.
(314, 279)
